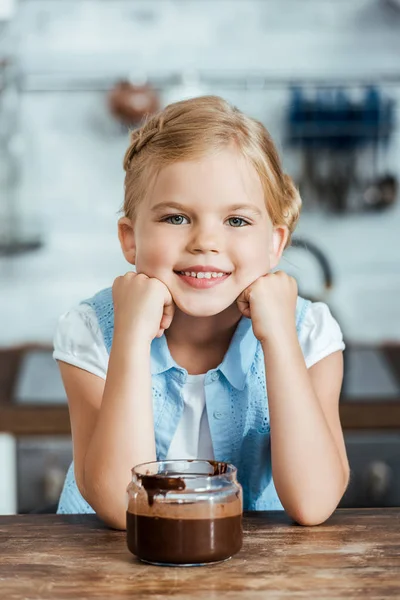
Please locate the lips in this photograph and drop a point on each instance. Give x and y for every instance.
(203, 272)
(202, 279)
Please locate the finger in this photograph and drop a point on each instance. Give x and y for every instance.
(243, 299)
(169, 311)
(168, 300)
(166, 321)
(245, 312)
(244, 308)
(242, 304)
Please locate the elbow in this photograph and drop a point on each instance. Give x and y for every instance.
(307, 517)
(114, 521)
(111, 513)
(309, 514)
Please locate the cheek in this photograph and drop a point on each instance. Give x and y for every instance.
(154, 252)
(253, 254)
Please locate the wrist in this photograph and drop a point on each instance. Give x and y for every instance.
(131, 340)
(281, 333)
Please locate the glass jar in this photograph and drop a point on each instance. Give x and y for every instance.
(184, 512)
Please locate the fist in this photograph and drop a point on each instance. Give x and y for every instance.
(142, 306)
(270, 303)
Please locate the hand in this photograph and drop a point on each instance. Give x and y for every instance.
(270, 303)
(142, 305)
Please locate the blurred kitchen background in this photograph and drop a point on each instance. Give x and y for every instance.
(322, 75)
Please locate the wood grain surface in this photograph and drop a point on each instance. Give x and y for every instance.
(355, 554)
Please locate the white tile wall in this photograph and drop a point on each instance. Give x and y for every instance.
(71, 177)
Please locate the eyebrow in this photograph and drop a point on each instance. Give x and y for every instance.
(164, 205)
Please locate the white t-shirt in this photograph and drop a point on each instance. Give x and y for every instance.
(78, 341)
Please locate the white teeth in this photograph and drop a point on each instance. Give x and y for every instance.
(203, 275)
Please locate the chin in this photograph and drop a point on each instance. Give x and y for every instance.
(201, 307)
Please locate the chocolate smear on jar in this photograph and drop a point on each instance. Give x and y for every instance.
(161, 484)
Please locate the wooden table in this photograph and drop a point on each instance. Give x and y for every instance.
(356, 554)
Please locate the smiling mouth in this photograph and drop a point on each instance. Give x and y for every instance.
(203, 274)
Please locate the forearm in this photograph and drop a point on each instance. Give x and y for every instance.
(307, 468)
(124, 433)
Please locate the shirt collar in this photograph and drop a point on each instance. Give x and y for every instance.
(240, 355)
(235, 365)
(160, 357)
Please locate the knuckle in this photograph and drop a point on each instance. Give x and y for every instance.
(156, 283)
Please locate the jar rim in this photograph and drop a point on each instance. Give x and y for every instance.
(221, 469)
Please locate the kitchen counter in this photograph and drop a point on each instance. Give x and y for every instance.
(355, 554)
(361, 414)
(52, 418)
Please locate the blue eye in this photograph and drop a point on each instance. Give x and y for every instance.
(237, 222)
(174, 219)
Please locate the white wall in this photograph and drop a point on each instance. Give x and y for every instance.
(72, 177)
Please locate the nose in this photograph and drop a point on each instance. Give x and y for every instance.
(204, 239)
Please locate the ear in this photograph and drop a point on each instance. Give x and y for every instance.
(280, 234)
(126, 238)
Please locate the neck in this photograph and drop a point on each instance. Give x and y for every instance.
(203, 332)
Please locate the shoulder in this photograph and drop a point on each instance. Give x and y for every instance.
(103, 307)
(302, 307)
(320, 333)
(80, 320)
(78, 340)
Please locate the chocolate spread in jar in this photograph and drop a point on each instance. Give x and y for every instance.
(189, 533)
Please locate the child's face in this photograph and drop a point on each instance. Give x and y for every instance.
(210, 213)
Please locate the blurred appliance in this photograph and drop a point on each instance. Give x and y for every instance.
(373, 374)
(32, 466)
(42, 463)
(375, 469)
(39, 380)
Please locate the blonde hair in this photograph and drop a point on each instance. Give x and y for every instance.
(193, 128)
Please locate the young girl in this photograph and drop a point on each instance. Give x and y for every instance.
(203, 352)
